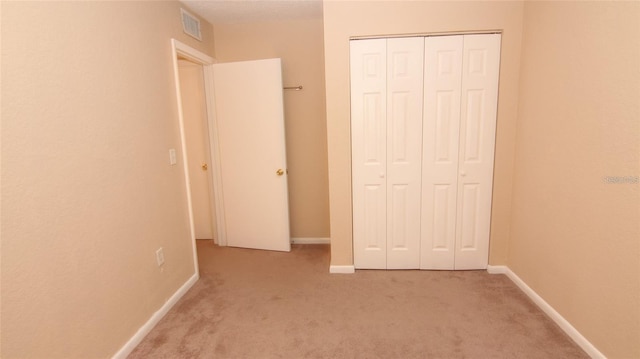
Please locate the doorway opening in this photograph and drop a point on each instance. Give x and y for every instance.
(194, 113)
(192, 73)
(234, 153)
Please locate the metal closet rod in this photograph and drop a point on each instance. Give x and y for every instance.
(297, 88)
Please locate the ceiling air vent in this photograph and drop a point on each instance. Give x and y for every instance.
(191, 25)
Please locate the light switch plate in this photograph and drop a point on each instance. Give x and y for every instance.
(160, 256)
(172, 156)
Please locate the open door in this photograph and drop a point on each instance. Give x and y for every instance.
(249, 124)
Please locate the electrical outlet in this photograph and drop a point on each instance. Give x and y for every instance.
(160, 257)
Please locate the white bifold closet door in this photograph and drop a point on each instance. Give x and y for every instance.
(460, 104)
(423, 119)
(386, 121)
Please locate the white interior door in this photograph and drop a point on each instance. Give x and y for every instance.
(404, 151)
(369, 152)
(478, 108)
(422, 160)
(461, 89)
(252, 156)
(386, 130)
(441, 131)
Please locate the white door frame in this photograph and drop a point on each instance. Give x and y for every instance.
(180, 49)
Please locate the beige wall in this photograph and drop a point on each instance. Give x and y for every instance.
(88, 115)
(299, 43)
(575, 239)
(89, 112)
(343, 19)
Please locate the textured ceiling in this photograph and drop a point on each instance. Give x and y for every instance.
(239, 11)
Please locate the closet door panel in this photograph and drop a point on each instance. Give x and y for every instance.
(442, 88)
(369, 151)
(477, 143)
(404, 155)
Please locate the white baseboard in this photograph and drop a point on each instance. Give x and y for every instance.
(155, 318)
(497, 269)
(572, 332)
(310, 240)
(342, 269)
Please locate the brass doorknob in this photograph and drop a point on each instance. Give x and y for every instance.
(204, 167)
(280, 172)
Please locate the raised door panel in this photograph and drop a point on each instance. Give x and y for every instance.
(368, 66)
(441, 123)
(404, 155)
(476, 156)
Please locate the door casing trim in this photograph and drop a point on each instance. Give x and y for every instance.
(180, 49)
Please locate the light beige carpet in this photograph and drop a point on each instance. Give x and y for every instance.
(259, 304)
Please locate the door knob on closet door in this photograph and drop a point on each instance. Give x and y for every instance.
(381, 175)
(204, 167)
(279, 172)
(463, 173)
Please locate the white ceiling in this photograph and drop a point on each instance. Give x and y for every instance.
(240, 11)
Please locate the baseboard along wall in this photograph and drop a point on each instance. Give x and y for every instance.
(572, 332)
(342, 269)
(155, 318)
(310, 240)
